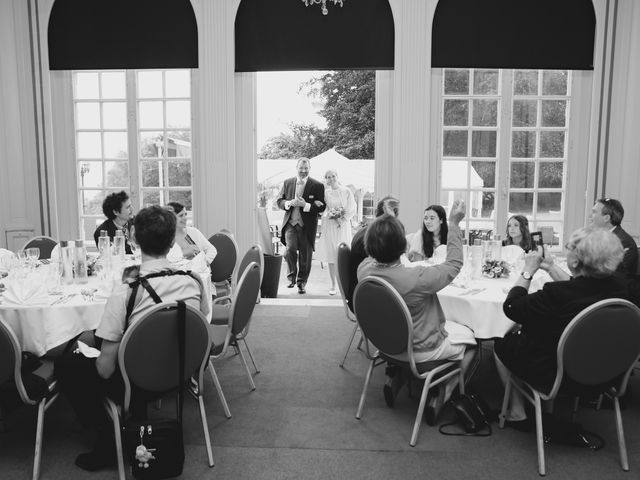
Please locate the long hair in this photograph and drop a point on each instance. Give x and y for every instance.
(427, 236)
(525, 241)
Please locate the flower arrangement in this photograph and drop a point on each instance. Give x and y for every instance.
(336, 213)
(495, 269)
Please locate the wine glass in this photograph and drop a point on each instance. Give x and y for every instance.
(33, 255)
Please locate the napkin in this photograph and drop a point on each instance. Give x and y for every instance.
(87, 351)
(6, 259)
(26, 293)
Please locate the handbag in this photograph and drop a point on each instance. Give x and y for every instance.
(472, 414)
(155, 448)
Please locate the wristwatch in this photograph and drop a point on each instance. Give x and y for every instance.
(526, 275)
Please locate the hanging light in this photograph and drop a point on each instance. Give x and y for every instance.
(323, 3)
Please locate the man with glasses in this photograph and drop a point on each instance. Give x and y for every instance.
(607, 213)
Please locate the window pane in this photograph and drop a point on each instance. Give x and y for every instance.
(115, 145)
(149, 84)
(182, 196)
(92, 202)
(179, 143)
(525, 113)
(551, 175)
(483, 174)
(549, 205)
(455, 143)
(114, 85)
(89, 145)
(456, 82)
(523, 144)
(525, 82)
(482, 205)
(150, 173)
(177, 83)
(87, 115)
(89, 225)
(114, 115)
(483, 144)
(454, 174)
(485, 82)
(151, 144)
(456, 112)
(117, 174)
(485, 113)
(178, 114)
(151, 115)
(552, 144)
(553, 113)
(521, 202)
(554, 82)
(179, 174)
(86, 86)
(90, 174)
(522, 174)
(150, 197)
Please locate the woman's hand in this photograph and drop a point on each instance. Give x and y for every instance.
(414, 256)
(190, 251)
(457, 212)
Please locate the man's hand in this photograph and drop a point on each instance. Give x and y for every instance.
(457, 212)
(318, 203)
(298, 202)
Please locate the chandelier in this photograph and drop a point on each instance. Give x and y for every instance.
(325, 11)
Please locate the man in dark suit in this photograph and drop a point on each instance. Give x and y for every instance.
(302, 199)
(607, 213)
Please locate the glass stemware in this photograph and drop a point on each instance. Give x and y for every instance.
(33, 255)
(22, 257)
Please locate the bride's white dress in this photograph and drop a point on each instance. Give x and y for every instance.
(335, 231)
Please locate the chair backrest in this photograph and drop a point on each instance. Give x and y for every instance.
(601, 344)
(224, 264)
(638, 264)
(254, 254)
(383, 316)
(245, 299)
(45, 244)
(344, 275)
(11, 361)
(149, 353)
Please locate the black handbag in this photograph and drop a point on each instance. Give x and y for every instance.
(155, 448)
(472, 413)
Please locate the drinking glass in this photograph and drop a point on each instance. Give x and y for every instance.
(22, 257)
(33, 255)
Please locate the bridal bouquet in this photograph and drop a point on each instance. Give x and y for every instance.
(495, 269)
(336, 213)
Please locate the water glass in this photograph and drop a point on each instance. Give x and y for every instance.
(33, 255)
(22, 257)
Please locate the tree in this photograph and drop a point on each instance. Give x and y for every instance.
(349, 108)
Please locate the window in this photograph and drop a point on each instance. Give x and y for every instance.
(133, 133)
(504, 137)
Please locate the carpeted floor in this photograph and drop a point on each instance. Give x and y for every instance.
(300, 421)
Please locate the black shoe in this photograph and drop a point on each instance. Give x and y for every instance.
(96, 460)
(526, 425)
(291, 285)
(389, 397)
(301, 288)
(430, 410)
(392, 387)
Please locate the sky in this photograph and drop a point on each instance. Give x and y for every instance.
(280, 103)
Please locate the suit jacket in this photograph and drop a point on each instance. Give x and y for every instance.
(313, 190)
(531, 353)
(630, 261)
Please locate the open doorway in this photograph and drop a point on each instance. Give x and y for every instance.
(328, 117)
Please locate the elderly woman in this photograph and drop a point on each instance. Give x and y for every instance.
(189, 241)
(434, 338)
(530, 352)
(434, 232)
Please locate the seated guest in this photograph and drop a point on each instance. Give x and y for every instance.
(607, 213)
(119, 212)
(85, 381)
(518, 232)
(434, 338)
(530, 352)
(433, 233)
(387, 205)
(189, 240)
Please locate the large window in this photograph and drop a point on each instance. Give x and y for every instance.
(133, 132)
(504, 146)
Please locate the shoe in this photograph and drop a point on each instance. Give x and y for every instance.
(430, 410)
(96, 460)
(392, 387)
(291, 285)
(332, 291)
(301, 289)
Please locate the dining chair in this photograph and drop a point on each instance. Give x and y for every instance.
(235, 313)
(596, 351)
(148, 357)
(344, 284)
(36, 387)
(224, 264)
(386, 323)
(254, 254)
(44, 243)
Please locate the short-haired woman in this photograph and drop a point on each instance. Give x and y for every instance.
(530, 352)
